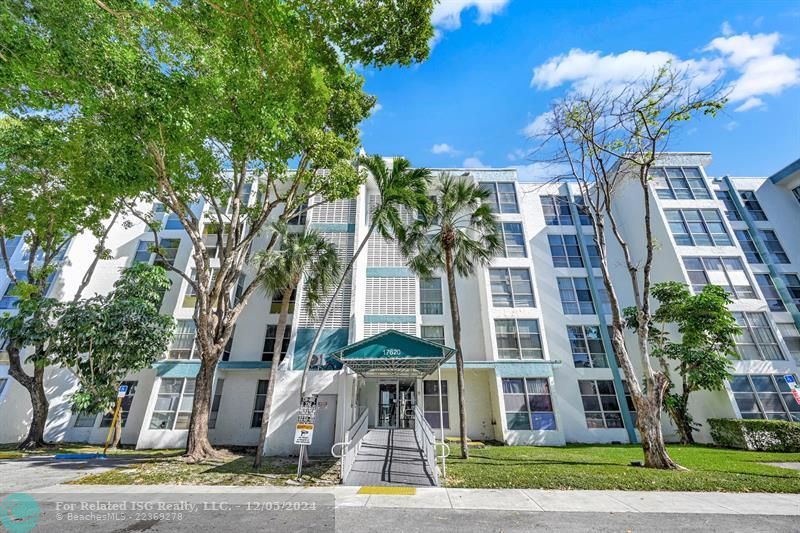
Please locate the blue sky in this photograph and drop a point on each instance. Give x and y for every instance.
(470, 103)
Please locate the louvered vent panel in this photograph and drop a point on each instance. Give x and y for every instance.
(338, 212)
(391, 296)
(379, 327)
(383, 253)
(340, 313)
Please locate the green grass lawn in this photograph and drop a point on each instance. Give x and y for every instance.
(608, 467)
(9, 451)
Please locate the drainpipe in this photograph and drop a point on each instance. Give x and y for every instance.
(777, 279)
(607, 346)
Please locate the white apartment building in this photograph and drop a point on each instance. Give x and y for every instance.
(539, 365)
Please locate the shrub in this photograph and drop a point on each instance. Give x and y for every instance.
(757, 435)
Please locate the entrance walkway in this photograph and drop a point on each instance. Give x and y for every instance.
(390, 457)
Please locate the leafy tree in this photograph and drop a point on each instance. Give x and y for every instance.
(104, 338)
(608, 140)
(707, 330)
(402, 190)
(458, 234)
(301, 256)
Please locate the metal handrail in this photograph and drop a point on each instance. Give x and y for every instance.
(352, 443)
(444, 456)
(424, 434)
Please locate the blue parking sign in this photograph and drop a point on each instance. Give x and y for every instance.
(790, 380)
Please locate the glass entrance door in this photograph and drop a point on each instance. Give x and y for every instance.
(387, 405)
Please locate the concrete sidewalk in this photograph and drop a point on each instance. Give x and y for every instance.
(530, 500)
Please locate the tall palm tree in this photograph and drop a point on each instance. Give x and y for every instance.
(457, 235)
(400, 189)
(300, 255)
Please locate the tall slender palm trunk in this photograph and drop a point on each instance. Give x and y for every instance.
(280, 332)
(455, 318)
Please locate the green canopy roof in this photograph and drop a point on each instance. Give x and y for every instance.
(392, 353)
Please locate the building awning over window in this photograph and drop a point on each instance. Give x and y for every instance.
(392, 353)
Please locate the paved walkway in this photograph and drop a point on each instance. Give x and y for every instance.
(390, 457)
(19, 475)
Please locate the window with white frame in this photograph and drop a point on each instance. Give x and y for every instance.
(513, 239)
(770, 292)
(190, 296)
(260, 402)
(511, 287)
(751, 253)
(764, 396)
(727, 272)
(12, 243)
(502, 196)
(182, 346)
(226, 352)
(430, 296)
(174, 402)
(584, 214)
(143, 252)
(430, 403)
(556, 210)
(518, 338)
(215, 403)
(752, 205)
(85, 420)
(791, 337)
(757, 341)
(587, 347)
(681, 183)
(277, 301)
(576, 297)
(528, 405)
(792, 282)
(592, 250)
(565, 251)
(125, 406)
(433, 333)
(269, 341)
(731, 212)
(600, 405)
(773, 246)
(11, 300)
(697, 227)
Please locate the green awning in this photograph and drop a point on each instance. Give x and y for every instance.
(392, 353)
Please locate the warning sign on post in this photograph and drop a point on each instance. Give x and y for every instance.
(304, 430)
(303, 434)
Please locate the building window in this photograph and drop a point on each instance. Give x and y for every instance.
(528, 404)
(190, 296)
(85, 420)
(173, 404)
(556, 210)
(600, 404)
(751, 253)
(697, 227)
(727, 272)
(144, 252)
(269, 341)
(770, 293)
(765, 396)
(9, 299)
(12, 244)
(518, 339)
(576, 297)
(260, 402)
(430, 403)
(502, 196)
(796, 192)
(757, 342)
(792, 282)
(773, 246)
(277, 300)
(430, 296)
(513, 239)
(752, 205)
(183, 342)
(124, 408)
(584, 214)
(300, 218)
(433, 333)
(565, 251)
(587, 347)
(3, 382)
(731, 213)
(511, 287)
(682, 183)
(791, 336)
(215, 402)
(173, 222)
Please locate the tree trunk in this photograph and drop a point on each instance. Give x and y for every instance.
(198, 447)
(680, 416)
(648, 421)
(280, 331)
(40, 407)
(455, 318)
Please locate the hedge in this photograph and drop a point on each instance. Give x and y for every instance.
(757, 435)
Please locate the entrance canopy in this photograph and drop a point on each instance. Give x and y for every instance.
(393, 353)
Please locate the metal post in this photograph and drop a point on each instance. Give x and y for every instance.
(300, 461)
(113, 424)
(441, 417)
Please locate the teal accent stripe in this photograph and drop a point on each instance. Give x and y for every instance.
(334, 228)
(512, 369)
(390, 319)
(177, 369)
(389, 272)
(244, 365)
(777, 279)
(627, 419)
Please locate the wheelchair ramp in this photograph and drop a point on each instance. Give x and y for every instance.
(390, 457)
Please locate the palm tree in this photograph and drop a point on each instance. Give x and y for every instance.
(457, 235)
(300, 255)
(400, 189)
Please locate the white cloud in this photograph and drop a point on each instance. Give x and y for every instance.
(750, 103)
(377, 107)
(726, 28)
(538, 126)
(443, 148)
(516, 154)
(541, 171)
(732, 125)
(447, 13)
(473, 162)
